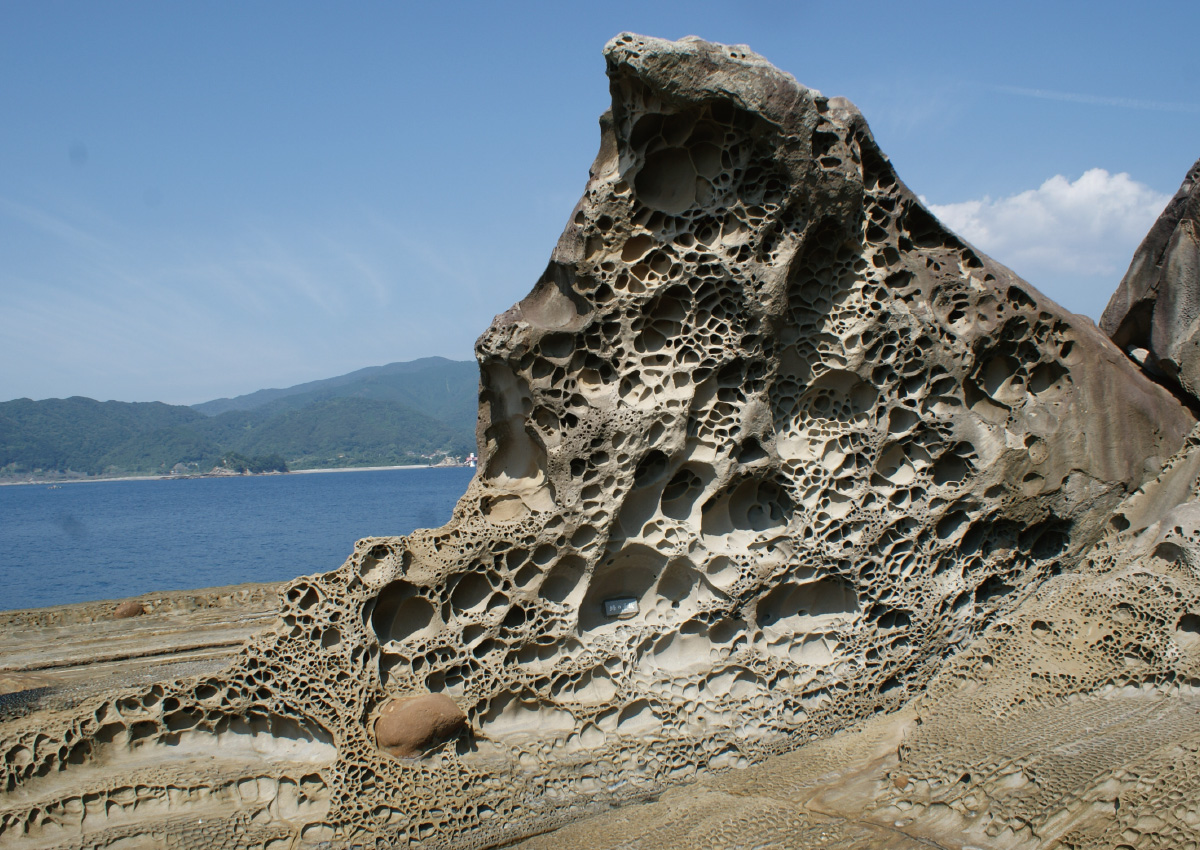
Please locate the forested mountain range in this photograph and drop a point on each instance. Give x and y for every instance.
(413, 412)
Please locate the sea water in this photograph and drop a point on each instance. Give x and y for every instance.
(108, 539)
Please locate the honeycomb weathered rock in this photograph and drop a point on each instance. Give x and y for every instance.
(764, 446)
(1073, 722)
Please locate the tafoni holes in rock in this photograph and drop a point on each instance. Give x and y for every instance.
(763, 448)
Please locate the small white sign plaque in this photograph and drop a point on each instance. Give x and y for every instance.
(621, 608)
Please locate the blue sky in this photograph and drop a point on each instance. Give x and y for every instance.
(202, 200)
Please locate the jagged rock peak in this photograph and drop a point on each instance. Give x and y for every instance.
(765, 445)
(1155, 312)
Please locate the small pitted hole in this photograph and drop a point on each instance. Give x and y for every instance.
(1187, 633)
(650, 469)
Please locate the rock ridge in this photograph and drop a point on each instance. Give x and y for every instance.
(1154, 313)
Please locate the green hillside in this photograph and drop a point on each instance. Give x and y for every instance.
(353, 432)
(443, 389)
(403, 413)
(161, 451)
(76, 433)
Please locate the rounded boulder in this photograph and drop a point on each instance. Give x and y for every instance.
(408, 726)
(129, 609)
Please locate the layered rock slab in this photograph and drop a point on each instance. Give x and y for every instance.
(764, 446)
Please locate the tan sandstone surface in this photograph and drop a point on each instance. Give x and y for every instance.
(70, 650)
(784, 491)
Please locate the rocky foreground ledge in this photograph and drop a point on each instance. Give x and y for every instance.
(63, 654)
(776, 474)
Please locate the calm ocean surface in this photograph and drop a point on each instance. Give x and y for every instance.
(104, 540)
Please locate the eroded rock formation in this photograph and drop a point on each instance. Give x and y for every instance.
(1073, 722)
(764, 446)
(1155, 312)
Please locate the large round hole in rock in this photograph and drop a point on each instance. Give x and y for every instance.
(804, 608)
(838, 395)
(595, 687)
(400, 613)
(950, 468)
(552, 304)
(636, 247)
(677, 581)
(1187, 633)
(565, 581)
(706, 158)
(722, 572)
(636, 718)
(519, 715)
(472, 590)
(681, 492)
(667, 181)
(996, 374)
(652, 467)
(377, 563)
(750, 505)
(687, 649)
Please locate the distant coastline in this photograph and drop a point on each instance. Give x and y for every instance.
(413, 413)
(98, 480)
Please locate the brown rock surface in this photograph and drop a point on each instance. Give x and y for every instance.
(1156, 309)
(128, 609)
(407, 727)
(763, 448)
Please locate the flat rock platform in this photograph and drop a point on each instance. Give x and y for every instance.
(54, 657)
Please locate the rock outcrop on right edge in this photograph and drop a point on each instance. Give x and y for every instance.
(1155, 313)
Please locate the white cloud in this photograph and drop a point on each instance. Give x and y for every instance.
(1099, 100)
(1090, 227)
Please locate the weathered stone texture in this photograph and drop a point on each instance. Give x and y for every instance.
(1155, 312)
(1072, 722)
(764, 446)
